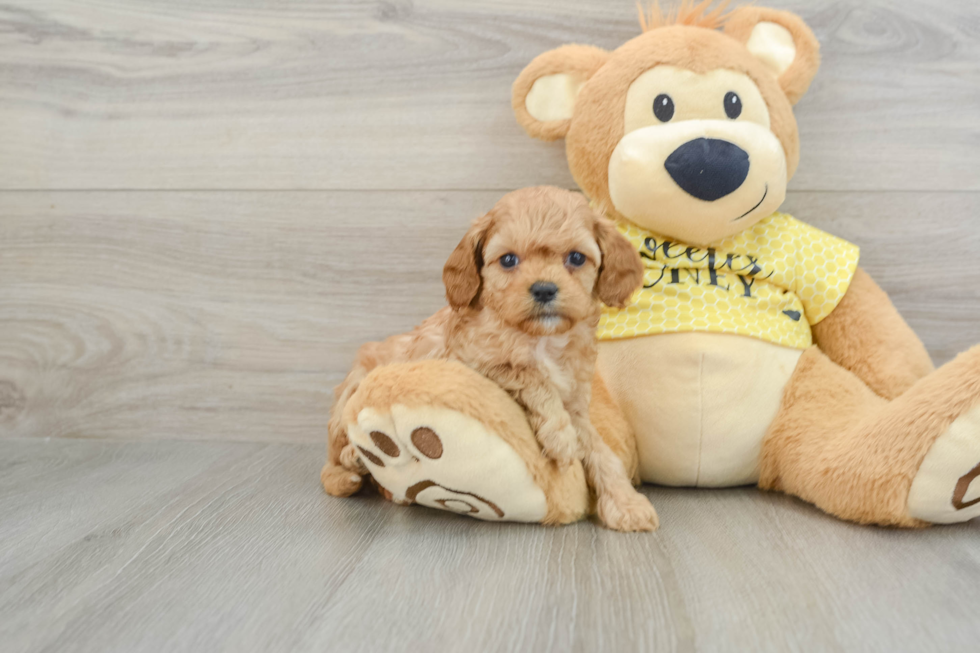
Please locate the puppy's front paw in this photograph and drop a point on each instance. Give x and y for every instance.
(561, 444)
(627, 511)
(350, 459)
(340, 482)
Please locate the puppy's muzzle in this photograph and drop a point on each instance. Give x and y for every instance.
(544, 292)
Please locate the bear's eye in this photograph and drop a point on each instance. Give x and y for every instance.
(575, 259)
(508, 261)
(733, 105)
(663, 107)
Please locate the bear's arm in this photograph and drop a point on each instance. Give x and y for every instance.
(866, 335)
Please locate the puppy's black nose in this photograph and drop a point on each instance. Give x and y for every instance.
(708, 168)
(543, 291)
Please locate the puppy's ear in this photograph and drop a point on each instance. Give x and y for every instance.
(461, 274)
(621, 271)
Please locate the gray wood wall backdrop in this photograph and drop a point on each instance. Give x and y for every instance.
(206, 205)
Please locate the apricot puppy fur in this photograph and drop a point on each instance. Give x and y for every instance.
(524, 288)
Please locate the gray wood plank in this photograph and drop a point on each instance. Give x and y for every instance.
(189, 546)
(230, 315)
(210, 94)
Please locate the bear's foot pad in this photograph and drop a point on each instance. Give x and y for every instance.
(946, 489)
(446, 460)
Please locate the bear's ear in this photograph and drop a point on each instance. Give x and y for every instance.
(780, 40)
(544, 93)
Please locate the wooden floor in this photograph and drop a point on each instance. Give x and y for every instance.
(205, 546)
(206, 205)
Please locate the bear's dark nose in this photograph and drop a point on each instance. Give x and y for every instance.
(543, 291)
(708, 168)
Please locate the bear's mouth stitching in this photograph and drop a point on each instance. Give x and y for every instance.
(758, 204)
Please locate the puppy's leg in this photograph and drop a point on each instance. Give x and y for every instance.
(350, 459)
(620, 506)
(343, 473)
(552, 424)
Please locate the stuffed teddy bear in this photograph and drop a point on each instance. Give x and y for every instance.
(757, 351)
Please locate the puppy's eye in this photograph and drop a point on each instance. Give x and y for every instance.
(733, 105)
(509, 260)
(663, 107)
(575, 259)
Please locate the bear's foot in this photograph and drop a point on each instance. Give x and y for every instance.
(946, 488)
(438, 434)
(443, 459)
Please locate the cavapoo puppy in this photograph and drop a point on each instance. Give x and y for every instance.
(524, 289)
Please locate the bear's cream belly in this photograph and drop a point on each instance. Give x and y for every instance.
(700, 403)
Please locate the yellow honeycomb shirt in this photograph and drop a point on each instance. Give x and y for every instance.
(773, 282)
